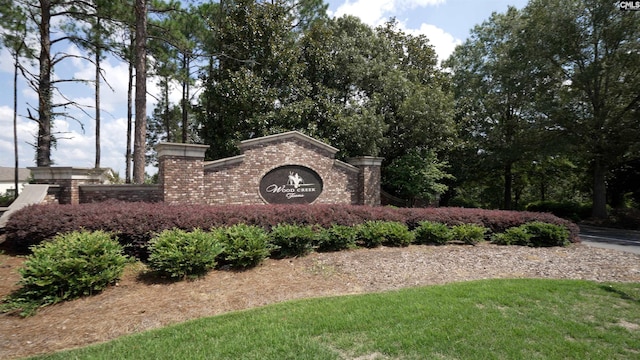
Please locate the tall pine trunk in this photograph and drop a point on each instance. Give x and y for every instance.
(185, 98)
(43, 147)
(129, 122)
(139, 144)
(97, 60)
(16, 171)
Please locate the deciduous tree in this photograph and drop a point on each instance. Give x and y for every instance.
(595, 49)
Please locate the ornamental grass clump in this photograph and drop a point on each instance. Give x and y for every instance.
(70, 266)
(179, 254)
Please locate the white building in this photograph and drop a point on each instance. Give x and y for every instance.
(7, 180)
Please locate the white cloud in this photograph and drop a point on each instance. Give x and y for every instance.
(6, 65)
(113, 89)
(376, 12)
(26, 131)
(75, 146)
(443, 42)
(371, 12)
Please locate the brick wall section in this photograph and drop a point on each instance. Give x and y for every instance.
(185, 178)
(53, 195)
(182, 180)
(369, 179)
(237, 181)
(69, 179)
(66, 194)
(181, 172)
(129, 193)
(371, 185)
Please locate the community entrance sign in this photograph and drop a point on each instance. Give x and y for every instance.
(285, 168)
(291, 184)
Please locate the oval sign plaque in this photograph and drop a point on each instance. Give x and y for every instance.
(291, 184)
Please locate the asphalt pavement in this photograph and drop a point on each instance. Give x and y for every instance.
(617, 239)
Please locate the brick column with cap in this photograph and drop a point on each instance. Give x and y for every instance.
(181, 172)
(369, 180)
(69, 179)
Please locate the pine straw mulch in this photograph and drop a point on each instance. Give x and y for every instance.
(140, 302)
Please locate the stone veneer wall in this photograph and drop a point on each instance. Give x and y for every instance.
(236, 180)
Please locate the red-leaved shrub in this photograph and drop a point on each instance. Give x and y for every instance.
(136, 223)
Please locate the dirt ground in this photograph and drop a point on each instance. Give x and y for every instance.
(140, 302)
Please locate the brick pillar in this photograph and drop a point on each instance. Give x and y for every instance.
(181, 172)
(369, 179)
(69, 179)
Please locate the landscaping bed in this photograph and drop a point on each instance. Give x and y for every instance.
(140, 302)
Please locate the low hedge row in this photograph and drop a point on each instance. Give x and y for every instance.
(180, 254)
(135, 224)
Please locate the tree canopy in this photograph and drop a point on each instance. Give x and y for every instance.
(539, 103)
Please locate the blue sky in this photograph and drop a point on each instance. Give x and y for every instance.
(445, 22)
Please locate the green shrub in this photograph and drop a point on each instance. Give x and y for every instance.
(245, 246)
(536, 234)
(336, 238)
(544, 234)
(389, 233)
(429, 232)
(69, 266)
(6, 199)
(470, 234)
(513, 236)
(178, 253)
(291, 240)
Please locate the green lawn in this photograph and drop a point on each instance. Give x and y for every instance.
(489, 319)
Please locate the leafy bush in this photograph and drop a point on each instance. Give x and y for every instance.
(389, 233)
(6, 199)
(429, 232)
(336, 238)
(178, 253)
(291, 240)
(543, 234)
(470, 234)
(513, 236)
(70, 266)
(536, 234)
(245, 246)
